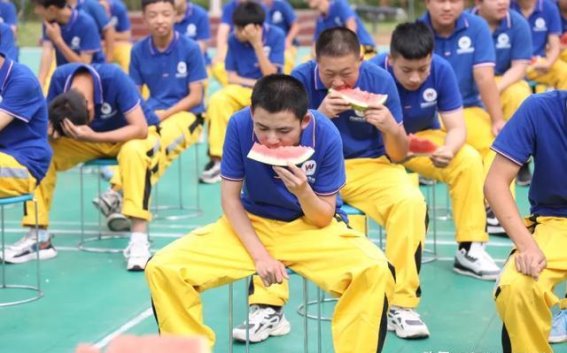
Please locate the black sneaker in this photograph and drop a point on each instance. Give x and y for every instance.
(493, 225)
(524, 177)
(211, 173)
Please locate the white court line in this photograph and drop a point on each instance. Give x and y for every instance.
(152, 225)
(71, 232)
(125, 327)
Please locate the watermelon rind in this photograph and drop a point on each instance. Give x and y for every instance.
(358, 106)
(281, 162)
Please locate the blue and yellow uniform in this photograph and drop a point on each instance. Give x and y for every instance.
(121, 21)
(545, 21)
(512, 40)
(242, 60)
(168, 75)
(213, 255)
(470, 46)
(337, 15)
(24, 151)
(375, 185)
(538, 130)
(195, 25)
(439, 94)
(281, 14)
(115, 95)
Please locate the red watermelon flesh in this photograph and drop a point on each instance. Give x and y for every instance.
(280, 156)
(563, 39)
(359, 99)
(421, 146)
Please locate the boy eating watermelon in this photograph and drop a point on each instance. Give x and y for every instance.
(278, 217)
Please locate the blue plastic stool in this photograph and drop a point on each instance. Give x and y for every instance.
(305, 322)
(37, 288)
(83, 244)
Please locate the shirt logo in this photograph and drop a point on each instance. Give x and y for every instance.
(267, 50)
(106, 111)
(503, 41)
(191, 30)
(309, 167)
(113, 21)
(429, 98)
(277, 17)
(181, 69)
(76, 43)
(540, 25)
(465, 45)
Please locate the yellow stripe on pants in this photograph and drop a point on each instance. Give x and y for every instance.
(213, 256)
(15, 179)
(464, 177)
(524, 303)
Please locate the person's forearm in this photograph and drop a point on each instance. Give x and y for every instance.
(455, 139)
(202, 45)
(186, 104)
(396, 144)
(123, 134)
(238, 219)
(292, 33)
(44, 65)
(489, 95)
(514, 74)
(552, 51)
(68, 53)
(109, 38)
(317, 211)
(242, 81)
(266, 67)
(122, 36)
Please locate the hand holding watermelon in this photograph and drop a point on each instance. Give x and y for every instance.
(360, 100)
(333, 104)
(539, 65)
(442, 157)
(294, 179)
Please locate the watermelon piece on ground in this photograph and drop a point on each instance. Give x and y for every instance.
(280, 156)
(359, 99)
(421, 146)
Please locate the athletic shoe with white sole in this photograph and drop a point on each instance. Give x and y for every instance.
(212, 173)
(476, 262)
(108, 202)
(137, 255)
(26, 249)
(263, 322)
(493, 225)
(406, 323)
(558, 332)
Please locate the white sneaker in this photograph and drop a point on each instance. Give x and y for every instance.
(108, 202)
(137, 255)
(263, 322)
(212, 173)
(476, 263)
(406, 323)
(493, 225)
(26, 249)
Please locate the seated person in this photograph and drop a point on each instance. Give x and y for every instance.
(119, 18)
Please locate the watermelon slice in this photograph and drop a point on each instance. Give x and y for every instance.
(280, 156)
(421, 146)
(360, 99)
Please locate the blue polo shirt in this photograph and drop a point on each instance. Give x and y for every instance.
(242, 59)
(196, 26)
(169, 73)
(437, 95)
(539, 129)
(264, 194)
(512, 41)
(360, 139)
(119, 16)
(469, 46)
(228, 10)
(7, 43)
(281, 15)
(94, 9)
(25, 137)
(114, 94)
(81, 36)
(544, 21)
(8, 13)
(563, 24)
(338, 14)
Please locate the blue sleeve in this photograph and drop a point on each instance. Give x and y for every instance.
(56, 84)
(90, 38)
(344, 10)
(484, 46)
(7, 42)
(277, 52)
(99, 15)
(393, 102)
(331, 177)
(288, 13)
(232, 165)
(21, 99)
(230, 60)
(121, 13)
(203, 27)
(449, 97)
(318, 29)
(9, 14)
(134, 68)
(378, 60)
(227, 11)
(517, 139)
(522, 44)
(128, 96)
(554, 20)
(196, 64)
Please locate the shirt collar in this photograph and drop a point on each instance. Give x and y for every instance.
(169, 49)
(5, 72)
(98, 97)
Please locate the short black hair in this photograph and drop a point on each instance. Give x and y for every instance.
(68, 105)
(337, 42)
(149, 2)
(412, 40)
(46, 3)
(248, 12)
(276, 93)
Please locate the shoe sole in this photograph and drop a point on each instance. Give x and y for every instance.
(466, 272)
(283, 329)
(495, 229)
(210, 181)
(119, 224)
(135, 269)
(43, 255)
(559, 339)
(417, 336)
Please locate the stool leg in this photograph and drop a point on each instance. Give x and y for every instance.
(82, 198)
(37, 241)
(434, 211)
(305, 323)
(248, 279)
(230, 317)
(3, 250)
(320, 297)
(197, 189)
(180, 180)
(98, 213)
